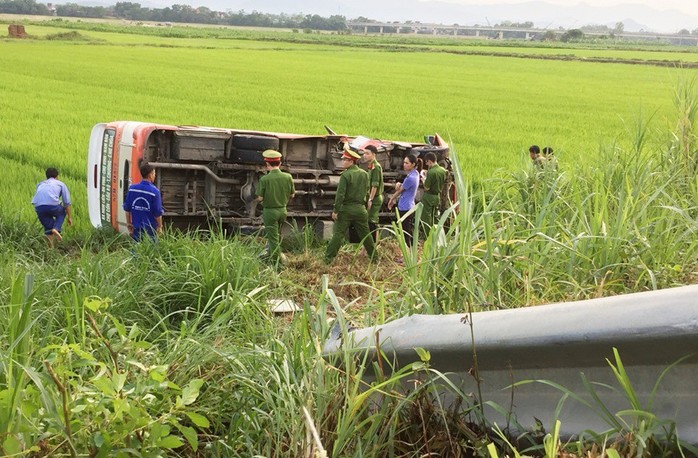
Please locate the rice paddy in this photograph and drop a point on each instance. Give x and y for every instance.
(171, 349)
(491, 108)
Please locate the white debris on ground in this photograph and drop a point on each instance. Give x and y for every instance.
(283, 306)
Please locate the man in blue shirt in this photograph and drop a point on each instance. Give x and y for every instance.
(143, 206)
(52, 205)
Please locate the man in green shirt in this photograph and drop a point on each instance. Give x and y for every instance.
(375, 190)
(274, 191)
(433, 185)
(350, 207)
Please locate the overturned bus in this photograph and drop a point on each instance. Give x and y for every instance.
(207, 176)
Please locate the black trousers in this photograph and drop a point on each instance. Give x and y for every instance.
(407, 226)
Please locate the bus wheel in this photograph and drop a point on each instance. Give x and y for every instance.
(255, 142)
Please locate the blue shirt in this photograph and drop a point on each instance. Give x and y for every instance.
(51, 192)
(405, 200)
(144, 202)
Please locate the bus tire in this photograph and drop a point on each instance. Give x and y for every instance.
(246, 156)
(255, 142)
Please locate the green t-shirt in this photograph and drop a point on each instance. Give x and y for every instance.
(375, 180)
(275, 188)
(352, 188)
(436, 178)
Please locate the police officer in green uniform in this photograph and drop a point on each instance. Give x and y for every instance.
(274, 191)
(375, 190)
(433, 185)
(350, 207)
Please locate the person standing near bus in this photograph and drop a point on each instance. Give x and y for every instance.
(405, 195)
(536, 156)
(375, 190)
(350, 207)
(274, 191)
(143, 206)
(433, 187)
(52, 204)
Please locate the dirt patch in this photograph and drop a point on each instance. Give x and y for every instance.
(16, 31)
(352, 277)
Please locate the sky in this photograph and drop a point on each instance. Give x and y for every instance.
(685, 6)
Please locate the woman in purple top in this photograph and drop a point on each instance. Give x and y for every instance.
(405, 194)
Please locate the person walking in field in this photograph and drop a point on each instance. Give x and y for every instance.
(405, 194)
(274, 191)
(433, 187)
(350, 207)
(550, 159)
(536, 156)
(375, 190)
(52, 205)
(143, 206)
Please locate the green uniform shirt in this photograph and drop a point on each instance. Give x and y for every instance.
(436, 178)
(376, 179)
(275, 188)
(352, 188)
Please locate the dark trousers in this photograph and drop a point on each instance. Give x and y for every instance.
(142, 233)
(51, 217)
(373, 229)
(407, 226)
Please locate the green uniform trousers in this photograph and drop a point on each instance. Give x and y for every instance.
(373, 216)
(351, 215)
(375, 208)
(430, 210)
(273, 218)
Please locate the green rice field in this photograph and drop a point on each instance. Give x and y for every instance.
(169, 349)
(490, 108)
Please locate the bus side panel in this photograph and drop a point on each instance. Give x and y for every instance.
(114, 185)
(124, 163)
(140, 137)
(95, 180)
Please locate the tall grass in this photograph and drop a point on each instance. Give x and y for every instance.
(16, 325)
(627, 223)
(171, 348)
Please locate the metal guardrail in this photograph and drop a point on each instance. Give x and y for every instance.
(559, 342)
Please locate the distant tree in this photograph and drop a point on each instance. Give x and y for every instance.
(312, 21)
(549, 35)
(619, 28)
(183, 13)
(694, 32)
(336, 22)
(596, 28)
(572, 35)
(23, 7)
(516, 25)
(684, 32)
(75, 10)
(132, 11)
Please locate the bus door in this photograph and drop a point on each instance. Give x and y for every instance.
(123, 173)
